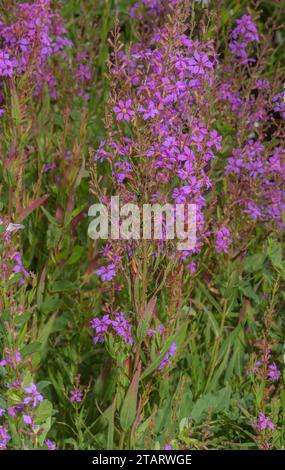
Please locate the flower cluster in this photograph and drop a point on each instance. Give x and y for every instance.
(223, 240)
(255, 167)
(82, 74)
(261, 174)
(273, 372)
(10, 258)
(26, 45)
(264, 422)
(263, 367)
(76, 395)
(115, 324)
(164, 102)
(4, 437)
(107, 272)
(242, 36)
(22, 399)
(279, 104)
(11, 359)
(166, 361)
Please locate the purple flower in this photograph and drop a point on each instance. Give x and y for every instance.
(83, 73)
(7, 65)
(199, 63)
(264, 422)
(76, 395)
(242, 35)
(191, 267)
(101, 326)
(257, 168)
(253, 211)
(223, 240)
(150, 112)
(215, 140)
(168, 447)
(28, 420)
(166, 360)
(49, 166)
(246, 28)
(160, 329)
(122, 327)
(11, 359)
(124, 111)
(50, 445)
(279, 104)
(107, 272)
(273, 372)
(19, 268)
(119, 325)
(4, 437)
(81, 56)
(123, 170)
(34, 397)
(12, 411)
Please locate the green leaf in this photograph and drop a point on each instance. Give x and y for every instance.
(111, 426)
(43, 412)
(63, 285)
(129, 407)
(249, 292)
(143, 325)
(30, 349)
(274, 252)
(50, 218)
(50, 304)
(45, 332)
(177, 339)
(216, 402)
(254, 263)
(209, 297)
(77, 253)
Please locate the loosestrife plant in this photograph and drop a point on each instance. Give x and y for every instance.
(168, 98)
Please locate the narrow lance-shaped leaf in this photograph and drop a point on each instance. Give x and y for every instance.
(129, 407)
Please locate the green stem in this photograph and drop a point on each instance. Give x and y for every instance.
(122, 440)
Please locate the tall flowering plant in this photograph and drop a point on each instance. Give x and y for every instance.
(167, 140)
(25, 415)
(27, 44)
